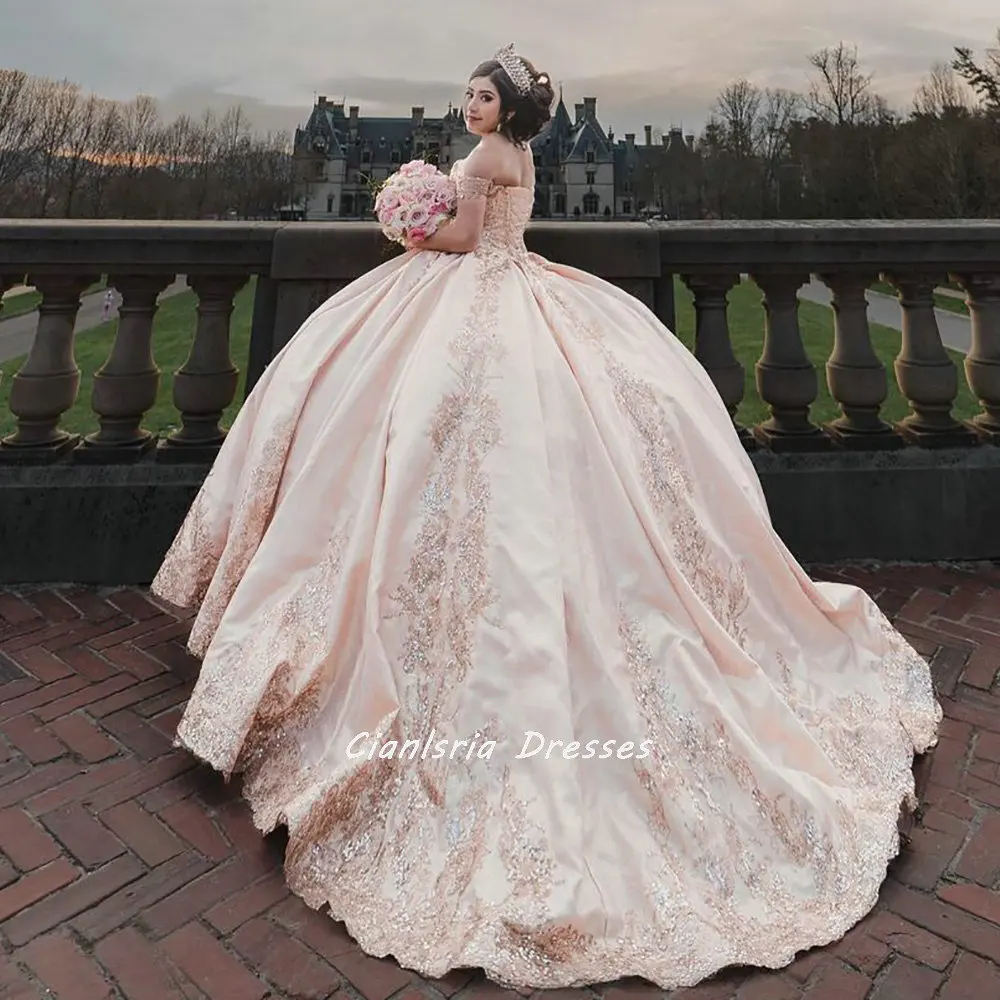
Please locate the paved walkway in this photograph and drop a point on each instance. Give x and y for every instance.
(18, 332)
(128, 871)
(956, 330)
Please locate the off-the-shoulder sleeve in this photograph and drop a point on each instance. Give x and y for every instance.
(472, 187)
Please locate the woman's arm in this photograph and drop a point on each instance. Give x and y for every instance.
(462, 233)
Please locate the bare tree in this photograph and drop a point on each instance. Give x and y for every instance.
(941, 93)
(175, 161)
(232, 161)
(780, 110)
(140, 143)
(737, 111)
(78, 151)
(60, 102)
(102, 158)
(841, 94)
(20, 109)
(779, 114)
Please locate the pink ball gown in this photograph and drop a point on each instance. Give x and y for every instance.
(483, 495)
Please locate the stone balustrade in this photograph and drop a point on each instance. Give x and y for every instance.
(929, 462)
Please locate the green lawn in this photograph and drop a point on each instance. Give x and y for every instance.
(25, 302)
(174, 328)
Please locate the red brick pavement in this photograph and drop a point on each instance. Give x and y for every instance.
(127, 871)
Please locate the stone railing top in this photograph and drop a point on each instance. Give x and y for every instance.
(811, 245)
(342, 250)
(914, 229)
(42, 245)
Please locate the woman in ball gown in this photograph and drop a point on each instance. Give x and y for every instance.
(481, 496)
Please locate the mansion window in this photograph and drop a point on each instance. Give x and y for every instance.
(591, 176)
(591, 203)
(590, 156)
(560, 208)
(627, 207)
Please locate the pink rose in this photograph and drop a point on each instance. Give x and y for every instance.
(417, 235)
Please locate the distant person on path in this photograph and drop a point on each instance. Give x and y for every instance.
(109, 304)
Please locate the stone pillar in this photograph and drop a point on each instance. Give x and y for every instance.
(48, 382)
(982, 363)
(926, 375)
(126, 384)
(206, 383)
(786, 379)
(713, 345)
(854, 373)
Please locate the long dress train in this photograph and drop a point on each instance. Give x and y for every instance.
(484, 496)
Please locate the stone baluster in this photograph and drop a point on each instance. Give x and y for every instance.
(6, 281)
(206, 383)
(926, 375)
(854, 373)
(48, 382)
(982, 363)
(786, 378)
(125, 386)
(713, 345)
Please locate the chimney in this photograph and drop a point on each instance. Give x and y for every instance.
(629, 139)
(590, 108)
(578, 109)
(649, 135)
(353, 113)
(611, 135)
(418, 117)
(689, 139)
(321, 101)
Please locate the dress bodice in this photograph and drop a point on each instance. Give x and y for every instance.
(508, 209)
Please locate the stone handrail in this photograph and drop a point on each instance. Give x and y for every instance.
(297, 265)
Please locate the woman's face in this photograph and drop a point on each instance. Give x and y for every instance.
(481, 106)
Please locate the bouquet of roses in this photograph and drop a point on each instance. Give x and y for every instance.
(414, 201)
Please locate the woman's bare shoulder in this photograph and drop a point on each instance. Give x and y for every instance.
(495, 159)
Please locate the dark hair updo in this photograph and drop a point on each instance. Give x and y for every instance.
(522, 116)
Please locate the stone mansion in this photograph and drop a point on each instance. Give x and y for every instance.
(582, 171)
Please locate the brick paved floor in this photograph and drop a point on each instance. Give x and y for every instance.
(127, 871)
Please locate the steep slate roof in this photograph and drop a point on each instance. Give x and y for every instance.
(381, 136)
(565, 140)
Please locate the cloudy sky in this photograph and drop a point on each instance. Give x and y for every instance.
(647, 61)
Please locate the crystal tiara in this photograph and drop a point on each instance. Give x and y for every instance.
(514, 67)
